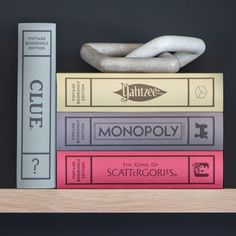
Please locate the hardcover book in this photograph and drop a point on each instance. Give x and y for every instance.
(142, 169)
(139, 131)
(128, 92)
(36, 105)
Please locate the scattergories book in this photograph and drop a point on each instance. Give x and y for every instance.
(139, 169)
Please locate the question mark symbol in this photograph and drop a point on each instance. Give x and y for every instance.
(36, 162)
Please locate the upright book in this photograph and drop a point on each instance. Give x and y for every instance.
(130, 92)
(139, 131)
(36, 105)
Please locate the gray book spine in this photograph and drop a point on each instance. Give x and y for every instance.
(140, 131)
(36, 105)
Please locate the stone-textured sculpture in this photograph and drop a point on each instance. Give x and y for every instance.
(162, 54)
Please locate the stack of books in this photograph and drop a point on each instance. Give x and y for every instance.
(139, 130)
(111, 130)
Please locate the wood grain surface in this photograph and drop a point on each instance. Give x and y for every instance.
(117, 201)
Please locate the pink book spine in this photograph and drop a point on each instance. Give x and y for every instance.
(142, 169)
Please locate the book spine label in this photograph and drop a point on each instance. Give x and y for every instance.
(139, 131)
(140, 93)
(140, 169)
(36, 106)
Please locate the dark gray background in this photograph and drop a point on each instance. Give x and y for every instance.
(118, 21)
(117, 225)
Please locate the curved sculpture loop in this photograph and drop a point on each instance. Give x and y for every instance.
(162, 54)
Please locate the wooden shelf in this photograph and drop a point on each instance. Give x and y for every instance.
(115, 201)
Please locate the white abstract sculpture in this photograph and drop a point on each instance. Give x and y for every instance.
(162, 54)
